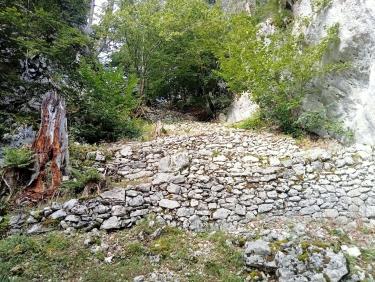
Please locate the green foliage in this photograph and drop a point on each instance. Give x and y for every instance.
(104, 109)
(170, 48)
(18, 157)
(183, 51)
(45, 27)
(80, 179)
(4, 225)
(319, 5)
(278, 69)
(317, 121)
(273, 9)
(254, 122)
(35, 258)
(32, 32)
(78, 154)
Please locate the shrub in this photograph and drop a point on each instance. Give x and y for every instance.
(106, 105)
(272, 9)
(278, 68)
(315, 121)
(254, 122)
(4, 225)
(18, 157)
(80, 180)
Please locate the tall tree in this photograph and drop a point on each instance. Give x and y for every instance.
(169, 46)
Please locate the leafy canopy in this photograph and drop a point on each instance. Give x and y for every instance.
(170, 47)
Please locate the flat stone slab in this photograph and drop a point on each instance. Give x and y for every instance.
(117, 194)
(169, 204)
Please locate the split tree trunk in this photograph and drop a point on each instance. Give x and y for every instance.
(51, 149)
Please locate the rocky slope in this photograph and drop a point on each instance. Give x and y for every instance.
(279, 249)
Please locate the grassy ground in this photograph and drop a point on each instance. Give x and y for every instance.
(146, 249)
(57, 256)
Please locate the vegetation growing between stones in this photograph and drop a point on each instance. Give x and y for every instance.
(319, 5)
(254, 122)
(80, 180)
(15, 172)
(57, 256)
(151, 248)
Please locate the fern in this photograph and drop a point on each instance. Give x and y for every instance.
(18, 157)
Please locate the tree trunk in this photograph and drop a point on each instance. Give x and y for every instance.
(104, 43)
(51, 149)
(90, 17)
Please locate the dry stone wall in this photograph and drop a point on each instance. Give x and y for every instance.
(218, 177)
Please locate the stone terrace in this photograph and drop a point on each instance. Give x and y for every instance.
(210, 175)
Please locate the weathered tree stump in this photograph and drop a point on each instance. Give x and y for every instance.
(51, 149)
(158, 129)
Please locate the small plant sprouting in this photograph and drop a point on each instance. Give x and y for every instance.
(215, 153)
(319, 5)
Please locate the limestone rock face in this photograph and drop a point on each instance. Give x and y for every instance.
(349, 95)
(242, 108)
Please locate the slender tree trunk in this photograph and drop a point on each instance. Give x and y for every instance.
(104, 43)
(51, 149)
(90, 18)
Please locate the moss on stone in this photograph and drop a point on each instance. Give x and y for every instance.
(277, 245)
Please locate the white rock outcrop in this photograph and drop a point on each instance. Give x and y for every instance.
(241, 108)
(350, 95)
(233, 6)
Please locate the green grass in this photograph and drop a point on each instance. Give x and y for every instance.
(57, 256)
(205, 256)
(254, 122)
(4, 225)
(368, 255)
(51, 256)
